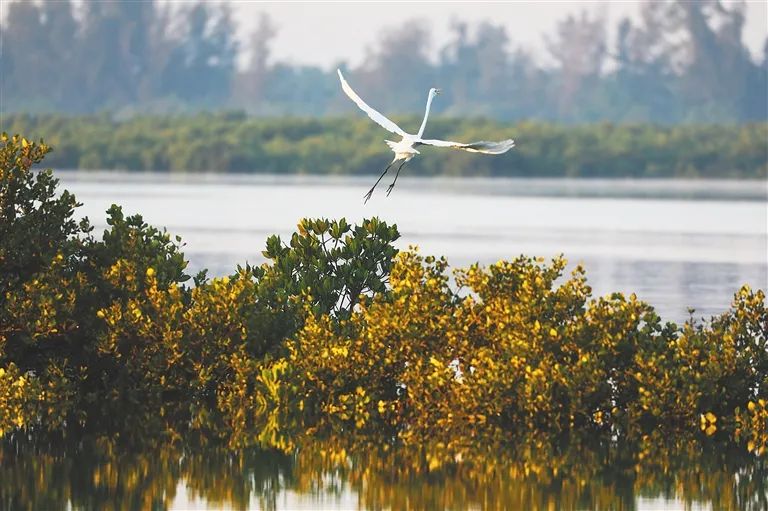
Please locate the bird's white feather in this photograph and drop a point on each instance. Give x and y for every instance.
(377, 117)
(482, 146)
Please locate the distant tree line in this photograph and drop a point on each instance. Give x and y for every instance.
(680, 61)
(235, 142)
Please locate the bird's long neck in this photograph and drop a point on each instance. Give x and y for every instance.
(426, 115)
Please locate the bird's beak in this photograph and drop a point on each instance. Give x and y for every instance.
(438, 91)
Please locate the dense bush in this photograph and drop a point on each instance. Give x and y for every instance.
(339, 333)
(514, 351)
(235, 143)
(98, 325)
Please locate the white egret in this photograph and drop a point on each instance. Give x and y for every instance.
(405, 149)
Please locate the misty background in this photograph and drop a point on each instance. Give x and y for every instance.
(664, 61)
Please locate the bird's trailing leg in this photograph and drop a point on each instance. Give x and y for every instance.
(389, 190)
(370, 192)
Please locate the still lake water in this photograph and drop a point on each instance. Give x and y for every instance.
(677, 244)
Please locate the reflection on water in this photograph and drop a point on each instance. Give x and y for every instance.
(106, 473)
(676, 243)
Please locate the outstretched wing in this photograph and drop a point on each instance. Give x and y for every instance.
(482, 146)
(377, 117)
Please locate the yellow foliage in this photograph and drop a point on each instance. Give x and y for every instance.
(515, 352)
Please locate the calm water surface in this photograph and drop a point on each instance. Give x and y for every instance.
(677, 244)
(100, 474)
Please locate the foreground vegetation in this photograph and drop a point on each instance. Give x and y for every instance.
(236, 143)
(339, 333)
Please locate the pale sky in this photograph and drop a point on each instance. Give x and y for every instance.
(322, 33)
(325, 32)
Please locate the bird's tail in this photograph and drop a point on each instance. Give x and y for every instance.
(391, 144)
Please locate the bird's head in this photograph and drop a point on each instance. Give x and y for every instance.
(434, 92)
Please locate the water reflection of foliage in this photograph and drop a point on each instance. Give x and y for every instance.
(548, 473)
(46, 472)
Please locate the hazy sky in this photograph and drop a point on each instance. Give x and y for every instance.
(324, 32)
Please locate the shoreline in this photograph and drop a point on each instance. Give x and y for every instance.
(582, 187)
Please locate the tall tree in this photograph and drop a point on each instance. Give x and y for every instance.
(25, 57)
(398, 73)
(644, 84)
(476, 69)
(720, 78)
(579, 51)
(61, 28)
(201, 66)
(116, 51)
(250, 85)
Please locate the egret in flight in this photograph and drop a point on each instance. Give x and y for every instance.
(405, 149)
